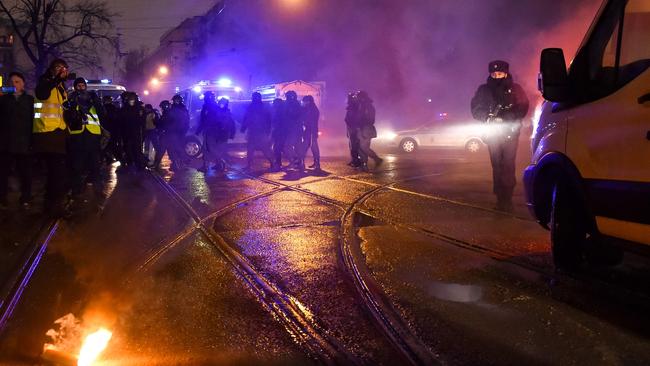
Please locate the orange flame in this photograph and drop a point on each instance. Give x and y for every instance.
(93, 346)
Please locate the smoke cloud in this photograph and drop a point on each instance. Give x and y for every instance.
(402, 52)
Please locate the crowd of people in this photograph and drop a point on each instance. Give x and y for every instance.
(74, 134)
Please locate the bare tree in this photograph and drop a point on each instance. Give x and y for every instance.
(133, 68)
(75, 31)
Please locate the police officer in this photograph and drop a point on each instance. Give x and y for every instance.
(310, 117)
(174, 123)
(51, 132)
(295, 130)
(279, 131)
(258, 122)
(110, 122)
(132, 122)
(501, 103)
(217, 125)
(161, 128)
(351, 118)
(365, 122)
(85, 134)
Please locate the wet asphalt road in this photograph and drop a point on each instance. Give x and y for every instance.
(272, 269)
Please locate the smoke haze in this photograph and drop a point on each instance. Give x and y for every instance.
(402, 52)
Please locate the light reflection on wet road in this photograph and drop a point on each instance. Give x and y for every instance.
(188, 306)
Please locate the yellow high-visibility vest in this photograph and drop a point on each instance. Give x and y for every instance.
(48, 114)
(92, 125)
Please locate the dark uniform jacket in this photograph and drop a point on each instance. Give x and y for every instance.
(292, 113)
(178, 119)
(257, 120)
(310, 116)
(216, 122)
(501, 96)
(16, 123)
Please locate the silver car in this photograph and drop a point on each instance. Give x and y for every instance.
(438, 134)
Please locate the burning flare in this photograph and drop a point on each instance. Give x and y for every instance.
(94, 344)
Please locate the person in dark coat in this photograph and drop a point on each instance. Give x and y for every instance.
(50, 133)
(502, 104)
(217, 126)
(174, 124)
(132, 123)
(113, 150)
(310, 117)
(295, 130)
(365, 122)
(258, 123)
(16, 124)
(278, 131)
(351, 118)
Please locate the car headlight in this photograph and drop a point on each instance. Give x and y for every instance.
(388, 135)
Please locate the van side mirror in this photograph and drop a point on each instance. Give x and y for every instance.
(553, 79)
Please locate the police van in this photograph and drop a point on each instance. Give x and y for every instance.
(105, 87)
(589, 177)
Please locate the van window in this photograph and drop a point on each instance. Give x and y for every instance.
(635, 43)
(603, 66)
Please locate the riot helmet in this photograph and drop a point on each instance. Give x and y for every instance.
(256, 97)
(177, 99)
(291, 95)
(223, 102)
(209, 97)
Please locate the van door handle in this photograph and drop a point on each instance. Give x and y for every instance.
(644, 98)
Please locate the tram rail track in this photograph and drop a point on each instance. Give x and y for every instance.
(14, 288)
(283, 307)
(401, 335)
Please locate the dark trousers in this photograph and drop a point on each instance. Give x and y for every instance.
(279, 142)
(133, 149)
(503, 152)
(354, 145)
(84, 154)
(364, 138)
(258, 143)
(310, 139)
(151, 141)
(56, 172)
(23, 164)
(172, 144)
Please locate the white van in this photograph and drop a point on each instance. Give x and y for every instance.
(589, 177)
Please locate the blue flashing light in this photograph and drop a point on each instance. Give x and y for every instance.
(224, 82)
(197, 89)
(105, 81)
(223, 96)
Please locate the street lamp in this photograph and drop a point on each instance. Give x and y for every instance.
(163, 70)
(154, 81)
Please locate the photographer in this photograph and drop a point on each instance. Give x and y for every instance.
(84, 149)
(50, 133)
(501, 103)
(17, 111)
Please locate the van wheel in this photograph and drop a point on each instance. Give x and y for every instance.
(568, 228)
